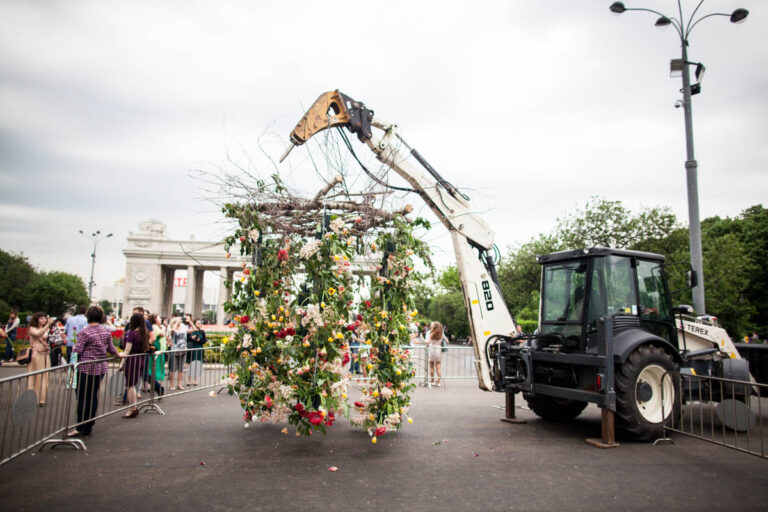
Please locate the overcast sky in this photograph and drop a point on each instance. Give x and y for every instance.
(530, 106)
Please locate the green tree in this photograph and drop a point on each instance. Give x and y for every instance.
(520, 275)
(106, 306)
(449, 279)
(56, 292)
(15, 275)
(604, 223)
(449, 310)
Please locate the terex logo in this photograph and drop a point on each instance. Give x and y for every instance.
(695, 329)
(487, 296)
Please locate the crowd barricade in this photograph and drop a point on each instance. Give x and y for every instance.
(726, 412)
(456, 362)
(33, 409)
(27, 424)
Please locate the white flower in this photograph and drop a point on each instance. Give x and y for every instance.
(310, 248)
(247, 341)
(337, 225)
(386, 393)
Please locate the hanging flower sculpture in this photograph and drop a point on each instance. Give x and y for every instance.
(297, 308)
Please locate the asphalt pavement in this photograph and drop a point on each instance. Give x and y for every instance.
(457, 455)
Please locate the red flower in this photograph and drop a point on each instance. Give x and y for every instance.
(244, 319)
(246, 271)
(359, 317)
(359, 404)
(242, 239)
(299, 407)
(368, 304)
(380, 431)
(282, 255)
(329, 419)
(268, 402)
(290, 331)
(247, 416)
(345, 359)
(351, 327)
(315, 418)
(276, 284)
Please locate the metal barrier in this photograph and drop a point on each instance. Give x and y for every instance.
(726, 412)
(39, 408)
(457, 362)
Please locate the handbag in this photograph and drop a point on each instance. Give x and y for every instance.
(55, 339)
(444, 345)
(24, 357)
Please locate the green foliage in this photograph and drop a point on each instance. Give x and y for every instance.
(56, 292)
(106, 306)
(735, 253)
(520, 275)
(449, 279)
(605, 223)
(15, 276)
(449, 310)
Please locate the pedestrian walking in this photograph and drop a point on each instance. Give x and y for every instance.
(9, 334)
(93, 344)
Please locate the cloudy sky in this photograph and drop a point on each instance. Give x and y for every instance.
(530, 106)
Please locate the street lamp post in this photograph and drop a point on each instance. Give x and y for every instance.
(96, 237)
(683, 28)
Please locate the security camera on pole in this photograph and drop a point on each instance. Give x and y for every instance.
(683, 28)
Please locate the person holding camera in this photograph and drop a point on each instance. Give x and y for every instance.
(9, 334)
(39, 327)
(178, 355)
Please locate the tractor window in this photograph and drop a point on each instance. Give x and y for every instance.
(653, 299)
(613, 289)
(564, 291)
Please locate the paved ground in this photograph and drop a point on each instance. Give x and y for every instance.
(456, 456)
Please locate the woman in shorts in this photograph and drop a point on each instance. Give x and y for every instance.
(176, 360)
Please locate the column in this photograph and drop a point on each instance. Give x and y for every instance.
(198, 312)
(168, 274)
(223, 296)
(189, 301)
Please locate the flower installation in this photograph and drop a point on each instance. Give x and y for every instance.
(296, 309)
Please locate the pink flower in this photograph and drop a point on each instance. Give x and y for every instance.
(282, 255)
(380, 431)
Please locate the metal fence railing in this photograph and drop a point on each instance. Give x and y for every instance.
(39, 408)
(726, 412)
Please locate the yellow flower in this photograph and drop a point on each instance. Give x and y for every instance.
(274, 292)
(375, 394)
(371, 417)
(344, 396)
(322, 304)
(373, 247)
(410, 420)
(398, 371)
(225, 340)
(383, 314)
(281, 308)
(281, 318)
(402, 327)
(373, 439)
(257, 293)
(339, 336)
(274, 317)
(331, 291)
(330, 339)
(414, 312)
(370, 366)
(378, 324)
(258, 350)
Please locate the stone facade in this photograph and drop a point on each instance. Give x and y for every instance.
(152, 257)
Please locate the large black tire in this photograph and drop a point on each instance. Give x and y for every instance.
(555, 409)
(639, 396)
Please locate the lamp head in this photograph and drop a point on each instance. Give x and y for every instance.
(663, 22)
(739, 15)
(617, 7)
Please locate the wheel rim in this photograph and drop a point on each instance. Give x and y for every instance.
(651, 409)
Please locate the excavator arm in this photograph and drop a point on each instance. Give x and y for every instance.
(472, 238)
